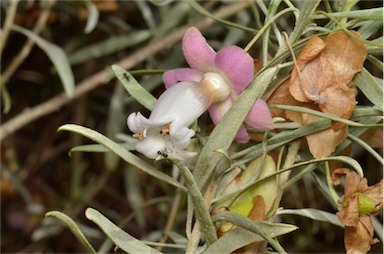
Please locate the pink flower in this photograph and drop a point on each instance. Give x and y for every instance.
(232, 65)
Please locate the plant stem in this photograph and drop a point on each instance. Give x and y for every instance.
(202, 211)
(171, 217)
(8, 23)
(329, 183)
(27, 47)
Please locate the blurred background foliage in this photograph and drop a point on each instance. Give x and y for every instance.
(38, 174)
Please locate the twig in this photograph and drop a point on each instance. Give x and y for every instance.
(8, 23)
(26, 49)
(101, 77)
(171, 218)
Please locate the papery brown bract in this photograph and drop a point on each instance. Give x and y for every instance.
(322, 81)
(358, 232)
(359, 239)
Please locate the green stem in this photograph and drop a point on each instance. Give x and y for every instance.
(366, 147)
(206, 13)
(198, 201)
(330, 185)
(265, 27)
(304, 18)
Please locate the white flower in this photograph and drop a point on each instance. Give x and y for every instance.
(166, 131)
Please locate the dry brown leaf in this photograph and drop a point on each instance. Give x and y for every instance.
(340, 102)
(346, 53)
(313, 79)
(373, 137)
(322, 81)
(323, 143)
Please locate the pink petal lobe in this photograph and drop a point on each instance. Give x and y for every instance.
(236, 65)
(218, 110)
(242, 135)
(198, 54)
(259, 117)
(174, 76)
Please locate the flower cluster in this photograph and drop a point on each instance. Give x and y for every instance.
(213, 82)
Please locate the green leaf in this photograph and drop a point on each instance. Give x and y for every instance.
(108, 46)
(369, 28)
(204, 12)
(134, 88)
(266, 230)
(371, 14)
(93, 16)
(6, 99)
(120, 151)
(367, 147)
(57, 56)
(313, 214)
(345, 159)
(370, 87)
(73, 227)
(305, 17)
(123, 240)
(93, 148)
(239, 237)
(224, 133)
(323, 115)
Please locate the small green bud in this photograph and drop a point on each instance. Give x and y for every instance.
(366, 204)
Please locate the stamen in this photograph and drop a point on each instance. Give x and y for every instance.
(138, 135)
(165, 129)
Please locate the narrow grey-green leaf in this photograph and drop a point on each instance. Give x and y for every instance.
(323, 115)
(239, 237)
(122, 239)
(369, 28)
(313, 214)
(371, 14)
(108, 46)
(73, 227)
(94, 148)
(370, 87)
(93, 16)
(134, 88)
(57, 56)
(345, 159)
(224, 133)
(266, 230)
(123, 153)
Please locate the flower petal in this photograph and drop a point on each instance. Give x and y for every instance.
(197, 51)
(151, 145)
(172, 77)
(182, 137)
(242, 135)
(155, 144)
(259, 117)
(236, 65)
(180, 105)
(218, 110)
(137, 123)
